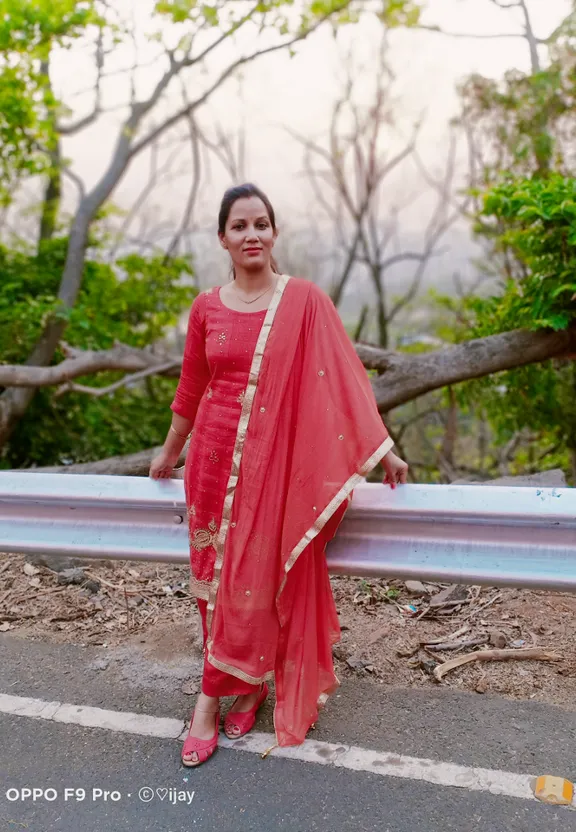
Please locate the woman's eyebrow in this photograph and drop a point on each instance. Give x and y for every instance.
(243, 219)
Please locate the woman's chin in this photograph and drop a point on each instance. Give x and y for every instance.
(255, 264)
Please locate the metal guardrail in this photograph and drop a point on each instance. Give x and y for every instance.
(496, 536)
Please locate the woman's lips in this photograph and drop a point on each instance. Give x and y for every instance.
(252, 250)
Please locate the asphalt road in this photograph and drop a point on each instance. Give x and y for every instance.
(240, 792)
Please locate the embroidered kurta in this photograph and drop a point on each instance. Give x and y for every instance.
(219, 349)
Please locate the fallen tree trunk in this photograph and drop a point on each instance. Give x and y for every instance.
(131, 465)
(402, 376)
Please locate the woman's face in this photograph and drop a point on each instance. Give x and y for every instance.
(249, 236)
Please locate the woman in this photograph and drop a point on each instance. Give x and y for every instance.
(285, 425)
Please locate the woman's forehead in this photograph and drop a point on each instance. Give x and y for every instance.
(248, 208)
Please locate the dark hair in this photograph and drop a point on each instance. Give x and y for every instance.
(246, 191)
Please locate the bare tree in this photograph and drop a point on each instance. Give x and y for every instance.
(348, 175)
(525, 32)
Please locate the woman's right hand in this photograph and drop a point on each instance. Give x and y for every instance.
(162, 466)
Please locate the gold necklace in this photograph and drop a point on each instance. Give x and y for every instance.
(257, 296)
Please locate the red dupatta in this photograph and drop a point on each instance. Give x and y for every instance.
(308, 433)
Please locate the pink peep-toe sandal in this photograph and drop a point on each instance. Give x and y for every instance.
(203, 748)
(238, 723)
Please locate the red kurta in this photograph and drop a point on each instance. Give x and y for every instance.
(219, 349)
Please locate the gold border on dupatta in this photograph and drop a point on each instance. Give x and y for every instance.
(235, 671)
(332, 506)
(313, 531)
(243, 423)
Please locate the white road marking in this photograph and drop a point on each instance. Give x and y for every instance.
(341, 755)
(88, 717)
(393, 765)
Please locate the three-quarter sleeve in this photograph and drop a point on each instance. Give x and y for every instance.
(195, 373)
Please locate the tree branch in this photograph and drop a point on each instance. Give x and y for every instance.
(67, 171)
(98, 392)
(193, 194)
(189, 108)
(82, 363)
(71, 129)
(474, 35)
(533, 41)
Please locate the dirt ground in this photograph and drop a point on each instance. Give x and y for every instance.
(390, 634)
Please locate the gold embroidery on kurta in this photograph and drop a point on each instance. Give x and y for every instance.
(203, 538)
(222, 337)
(214, 457)
(209, 393)
(241, 397)
(199, 588)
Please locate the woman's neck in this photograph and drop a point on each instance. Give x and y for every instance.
(254, 281)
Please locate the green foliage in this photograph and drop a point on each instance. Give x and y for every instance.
(134, 301)
(523, 133)
(400, 13)
(30, 25)
(283, 15)
(524, 123)
(28, 30)
(534, 222)
(79, 428)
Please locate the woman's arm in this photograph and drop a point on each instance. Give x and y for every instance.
(194, 379)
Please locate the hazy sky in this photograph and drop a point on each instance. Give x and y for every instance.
(299, 92)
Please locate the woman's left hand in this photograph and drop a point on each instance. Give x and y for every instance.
(395, 470)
